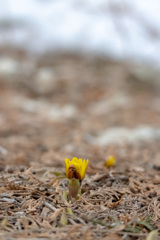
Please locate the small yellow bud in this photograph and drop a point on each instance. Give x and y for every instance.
(110, 162)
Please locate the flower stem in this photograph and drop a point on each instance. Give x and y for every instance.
(74, 187)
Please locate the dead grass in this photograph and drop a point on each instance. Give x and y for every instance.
(112, 204)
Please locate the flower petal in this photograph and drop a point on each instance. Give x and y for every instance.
(79, 167)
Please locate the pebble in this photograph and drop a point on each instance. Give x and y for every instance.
(45, 81)
(3, 151)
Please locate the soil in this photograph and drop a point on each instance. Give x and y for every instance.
(41, 125)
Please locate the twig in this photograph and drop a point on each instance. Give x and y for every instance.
(50, 206)
(84, 200)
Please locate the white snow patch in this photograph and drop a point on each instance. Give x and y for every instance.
(121, 135)
(116, 28)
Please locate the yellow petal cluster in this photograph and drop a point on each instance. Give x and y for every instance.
(79, 165)
(110, 162)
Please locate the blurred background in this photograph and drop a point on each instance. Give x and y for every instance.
(78, 78)
(118, 29)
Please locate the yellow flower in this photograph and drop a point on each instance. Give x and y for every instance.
(110, 162)
(76, 168)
